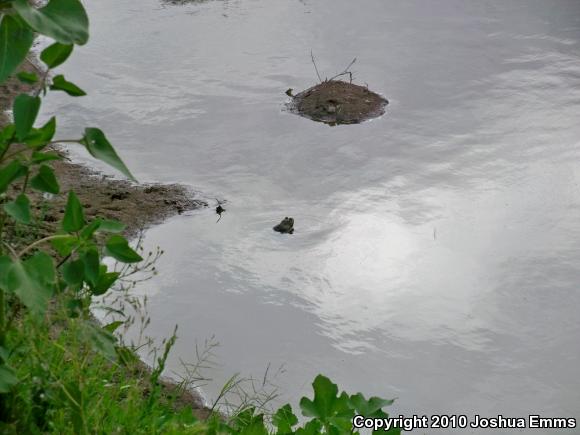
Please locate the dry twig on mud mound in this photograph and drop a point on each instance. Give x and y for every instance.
(315, 67)
(344, 72)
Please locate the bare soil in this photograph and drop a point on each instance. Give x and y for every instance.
(337, 102)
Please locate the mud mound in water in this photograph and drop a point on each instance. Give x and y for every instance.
(182, 2)
(337, 102)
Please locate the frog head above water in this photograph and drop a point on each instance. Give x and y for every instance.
(286, 226)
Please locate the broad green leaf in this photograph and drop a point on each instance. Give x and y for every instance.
(65, 21)
(313, 427)
(92, 266)
(45, 181)
(74, 217)
(59, 83)
(38, 138)
(368, 408)
(41, 267)
(89, 230)
(326, 403)
(247, 423)
(256, 427)
(100, 148)
(40, 157)
(56, 54)
(19, 209)
(284, 419)
(73, 272)
(105, 282)
(15, 41)
(103, 225)
(11, 172)
(26, 109)
(7, 134)
(7, 378)
(32, 281)
(64, 245)
(118, 248)
(27, 77)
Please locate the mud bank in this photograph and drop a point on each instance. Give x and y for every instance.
(138, 206)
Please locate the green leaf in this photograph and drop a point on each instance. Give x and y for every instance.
(15, 41)
(19, 209)
(65, 21)
(73, 272)
(7, 378)
(74, 217)
(105, 282)
(56, 54)
(45, 181)
(256, 427)
(370, 407)
(40, 157)
(59, 83)
(113, 326)
(326, 404)
(26, 109)
(33, 281)
(40, 137)
(284, 419)
(64, 245)
(104, 225)
(27, 77)
(92, 265)
(101, 340)
(247, 423)
(41, 267)
(313, 427)
(100, 148)
(11, 172)
(118, 248)
(89, 230)
(7, 135)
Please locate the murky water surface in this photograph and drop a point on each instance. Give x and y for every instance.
(436, 256)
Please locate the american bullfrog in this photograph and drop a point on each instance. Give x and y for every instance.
(286, 226)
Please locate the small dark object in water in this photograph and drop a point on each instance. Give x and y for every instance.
(286, 226)
(219, 210)
(336, 102)
(289, 92)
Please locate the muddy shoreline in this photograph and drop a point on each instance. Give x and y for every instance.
(138, 206)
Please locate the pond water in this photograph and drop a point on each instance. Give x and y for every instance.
(436, 253)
